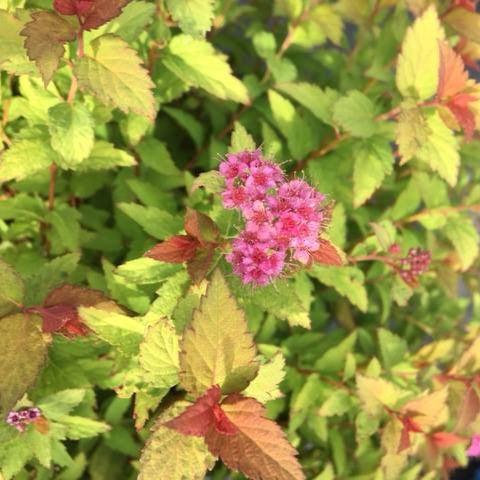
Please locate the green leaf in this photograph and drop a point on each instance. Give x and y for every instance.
(66, 227)
(114, 74)
(156, 222)
(333, 360)
(239, 379)
(170, 454)
(338, 403)
(214, 344)
(144, 271)
(319, 102)
(373, 162)
(440, 151)
(265, 386)
(105, 156)
(23, 354)
(198, 64)
(59, 404)
(188, 122)
(81, 427)
(12, 289)
(125, 333)
(154, 154)
(18, 162)
(347, 281)
(45, 36)
(292, 125)
(71, 131)
(194, 17)
(241, 140)
(211, 181)
(169, 294)
(264, 44)
(355, 113)
(463, 234)
(159, 355)
(419, 62)
(392, 347)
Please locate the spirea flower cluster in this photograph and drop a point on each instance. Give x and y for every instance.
(21, 418)
(282, 218)
(414, 264)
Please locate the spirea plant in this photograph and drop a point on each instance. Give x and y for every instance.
(239, 239)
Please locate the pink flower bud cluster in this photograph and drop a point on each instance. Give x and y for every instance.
(282, 218)
(414, 264)
(22, 418)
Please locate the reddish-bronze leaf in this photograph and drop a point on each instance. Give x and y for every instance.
(101, 12)
(197, 418)
(404, 439)
(73, 7)
(459, 106)
(259, 449)
(201, 226)
(327, 254)
(453, 76)
(60, 309)
(45, 36)
(446, 439)
(200, 264)
(176, 249)
(204, 414)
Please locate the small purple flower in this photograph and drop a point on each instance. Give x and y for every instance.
(20, 419)
(474, 449)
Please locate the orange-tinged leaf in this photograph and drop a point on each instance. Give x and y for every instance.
(453, 76)
(176, 249)
(459, 105)
(259, 449)
(469, 409)
(327, 254)
(446, 439)
(428, 411)
(45, 36)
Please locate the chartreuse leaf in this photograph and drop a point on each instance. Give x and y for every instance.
(377, 393)
(18, 162)
(118, 330)
(347, 281)
(265, 386)
(216, 342)
(104, 156)
(71, 131)
(198, 64)
(156, 222)
(419, 62)
(319, 102)
(12, 289)
(412, 132)
(23, 354)
(173, 455)
(13, 57)
(355, 113)
(193, 16)
(144, 271)
(154, 154)
(114, 74)
(241, 139)
(292, 125)
(333, 360)
(463, 234)
(338, 403)
(373, 162)
(159, 354)
(45, 36)
(440, 151)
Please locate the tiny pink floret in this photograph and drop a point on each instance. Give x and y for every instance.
(474, 449)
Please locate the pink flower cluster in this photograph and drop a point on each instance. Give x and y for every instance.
(474, 449)
(282, 218)
(20, 419)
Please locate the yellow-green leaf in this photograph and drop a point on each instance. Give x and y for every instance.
(217, 340)
(419, 62)
(265, 386)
